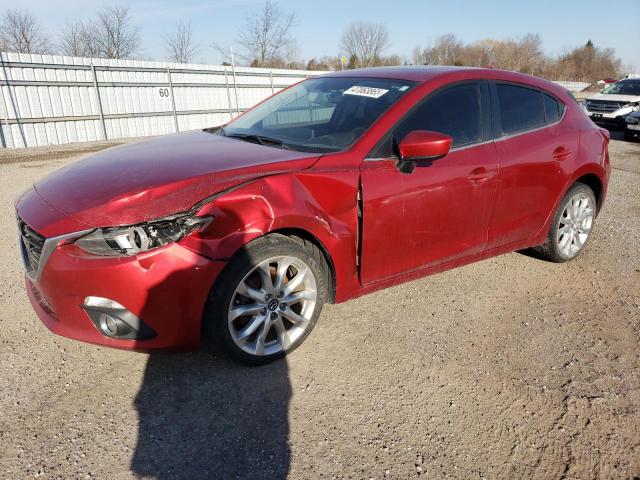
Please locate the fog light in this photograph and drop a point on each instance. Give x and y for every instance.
(115, 321)
(108, 324)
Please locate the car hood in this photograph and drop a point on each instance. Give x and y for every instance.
(615, 98)
(159, 177)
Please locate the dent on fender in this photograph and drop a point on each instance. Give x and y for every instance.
(323, 205)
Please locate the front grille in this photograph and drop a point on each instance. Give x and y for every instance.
(31, 244)
(604, 106)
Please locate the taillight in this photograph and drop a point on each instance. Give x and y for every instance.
(604, 158)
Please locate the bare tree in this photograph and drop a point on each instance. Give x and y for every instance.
(115, 35)
(78, 39)
(519, 55)
(110, 35)
(525, 55)
(480, 54)
(20, 32)
(588, 63)
(324, 63)
(530, 54)
(446, 50)
(628, 68)
(393, 60)
(180, 44)
(365, 42)
(267, 39)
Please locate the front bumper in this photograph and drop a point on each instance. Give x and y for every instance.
(608, 119)
(165, 288)
(632, 129)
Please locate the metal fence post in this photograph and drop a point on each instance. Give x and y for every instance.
(226, 82)
(4, 144)
(271, 81)
(6, 124)
(173, 100)
(95, 84)
(235, 87)
(6, 114)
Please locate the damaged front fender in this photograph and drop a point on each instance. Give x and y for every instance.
(321, 204)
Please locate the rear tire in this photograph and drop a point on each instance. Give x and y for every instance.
(571, 226)
(267, 300)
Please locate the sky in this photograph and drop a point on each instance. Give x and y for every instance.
(562, 24)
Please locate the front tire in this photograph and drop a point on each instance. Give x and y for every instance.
(268, 299)
(571, 226)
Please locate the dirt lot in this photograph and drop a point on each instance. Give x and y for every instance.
(508, 368)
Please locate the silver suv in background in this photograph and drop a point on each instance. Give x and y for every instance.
(612, 105)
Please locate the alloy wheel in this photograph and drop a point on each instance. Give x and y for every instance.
(575, 224)
(272, 306)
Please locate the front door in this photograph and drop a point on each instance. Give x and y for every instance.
(439, 212)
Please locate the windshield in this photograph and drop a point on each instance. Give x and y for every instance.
(623, 88)
(319, 114)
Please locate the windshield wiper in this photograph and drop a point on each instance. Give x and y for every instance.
(260, 139)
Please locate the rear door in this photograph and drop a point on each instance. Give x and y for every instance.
(532, 144)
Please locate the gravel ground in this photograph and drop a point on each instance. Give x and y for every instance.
(507, 368)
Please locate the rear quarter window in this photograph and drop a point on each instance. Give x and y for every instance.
(552, 108)
(521, 108)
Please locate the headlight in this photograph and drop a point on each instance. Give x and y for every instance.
(131, 240)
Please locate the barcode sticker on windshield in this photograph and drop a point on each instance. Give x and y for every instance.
(370, 92)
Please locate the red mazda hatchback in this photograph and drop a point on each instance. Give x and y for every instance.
(338, 186)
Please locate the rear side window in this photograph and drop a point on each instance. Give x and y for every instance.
(455, 111)
(521, 108)
(552, 108)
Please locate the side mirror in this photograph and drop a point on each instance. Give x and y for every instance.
(422, 146)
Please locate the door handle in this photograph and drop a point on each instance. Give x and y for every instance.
(561, 153)
(479, 175)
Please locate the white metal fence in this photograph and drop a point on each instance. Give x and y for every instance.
(52, 100)
(573, 86)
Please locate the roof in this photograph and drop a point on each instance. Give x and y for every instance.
(423, 74)
(417, 73)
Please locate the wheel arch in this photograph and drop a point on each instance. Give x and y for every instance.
(592, 176)
(297, 233)
(305, 235)
(594, 182)
(323, 213)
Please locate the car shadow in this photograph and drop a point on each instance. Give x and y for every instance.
(202, 417)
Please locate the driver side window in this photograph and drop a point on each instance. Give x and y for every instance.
(455, 111)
